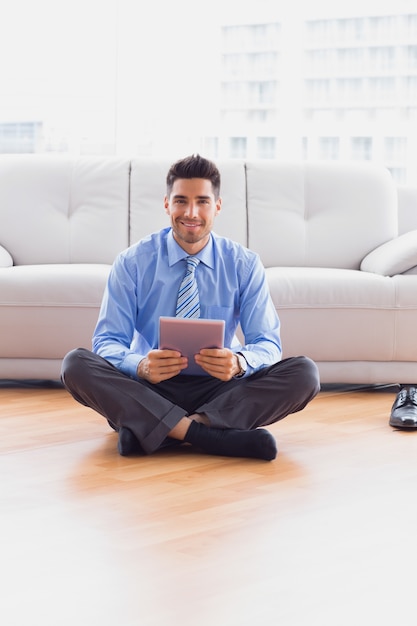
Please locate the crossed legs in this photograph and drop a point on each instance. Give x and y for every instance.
(218, 417)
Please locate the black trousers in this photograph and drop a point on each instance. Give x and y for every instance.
(150, 411)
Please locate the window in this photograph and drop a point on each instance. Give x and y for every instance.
(266, 147)
(260, 116)
(381, 89)
(251, 36)
(329, 148)
(382, 58)
(382, 28)
(395, 148)
(266, 92)
(352, 29)
(361, 148)
(138, 85)
(238, 147)
(210, 147)
(411, 57)
(21, 137)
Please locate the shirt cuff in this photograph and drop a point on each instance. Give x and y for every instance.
(130, 364)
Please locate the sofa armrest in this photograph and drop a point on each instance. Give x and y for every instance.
(393, 257)
(5, 258)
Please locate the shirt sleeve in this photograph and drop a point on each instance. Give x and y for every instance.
(115, 327)
(259, 320)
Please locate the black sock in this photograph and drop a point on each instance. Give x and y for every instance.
(256, 444)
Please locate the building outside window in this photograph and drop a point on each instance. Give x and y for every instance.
(329, 148)
(18, 137)
(318, 82)
(210, 147)
(356, 86)
(361, 148)
(238, 147)
(266, 147)
(395, 149)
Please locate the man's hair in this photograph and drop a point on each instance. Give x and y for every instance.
(194, 166)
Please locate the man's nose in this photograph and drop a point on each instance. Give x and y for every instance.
(192, 209)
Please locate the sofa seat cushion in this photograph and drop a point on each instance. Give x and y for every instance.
(357, 315)
(54, 306)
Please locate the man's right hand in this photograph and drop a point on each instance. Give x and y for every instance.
(160, 365)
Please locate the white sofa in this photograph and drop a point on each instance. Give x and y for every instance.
(338, 240)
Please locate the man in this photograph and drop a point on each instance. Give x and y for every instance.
(139, 388)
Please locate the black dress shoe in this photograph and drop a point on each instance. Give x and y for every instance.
(127, 443)
(404, 409)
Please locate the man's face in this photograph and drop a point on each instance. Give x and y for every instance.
(192, 208)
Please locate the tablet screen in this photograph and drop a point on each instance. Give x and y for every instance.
(189, 336)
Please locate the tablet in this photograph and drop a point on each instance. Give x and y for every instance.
(189, 336)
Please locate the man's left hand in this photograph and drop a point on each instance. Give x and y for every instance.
(221, 363)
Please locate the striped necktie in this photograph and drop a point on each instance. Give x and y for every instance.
(188, 302)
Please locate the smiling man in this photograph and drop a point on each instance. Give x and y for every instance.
(192, 207)
(187, 270)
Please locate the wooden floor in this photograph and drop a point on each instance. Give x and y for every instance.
(324, 535)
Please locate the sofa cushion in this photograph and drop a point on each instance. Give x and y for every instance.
(336, 314)
(52, 308)
(407, 213)
(393, 257)
(5, 258)
(63, 209)
(319, 214)
(405, 317)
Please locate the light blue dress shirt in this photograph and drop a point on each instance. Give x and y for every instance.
(143, 286)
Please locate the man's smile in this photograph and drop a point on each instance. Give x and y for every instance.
(190, 224)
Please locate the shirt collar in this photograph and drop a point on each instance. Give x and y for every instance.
(176, 253)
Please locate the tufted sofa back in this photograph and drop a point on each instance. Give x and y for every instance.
(62, 209)
(86, 210)
(319, 214)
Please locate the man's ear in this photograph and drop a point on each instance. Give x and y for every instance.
(166, 205)
(218, 205)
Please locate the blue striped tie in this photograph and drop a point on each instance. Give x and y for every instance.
(188, 303)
